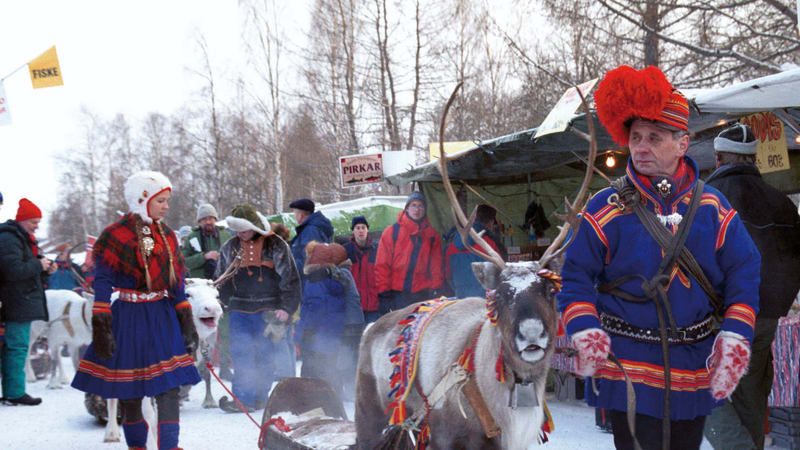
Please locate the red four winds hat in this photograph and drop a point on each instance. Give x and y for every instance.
(626, 94)
(27, 210)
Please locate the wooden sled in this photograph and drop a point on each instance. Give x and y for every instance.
(314, 413)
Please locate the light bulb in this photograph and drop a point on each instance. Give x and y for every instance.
(797, 139)
(611, 161)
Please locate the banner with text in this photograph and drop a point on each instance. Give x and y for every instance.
(558, 118)
(773, 154)
(355, 170)
(45, 71)
(5, 114)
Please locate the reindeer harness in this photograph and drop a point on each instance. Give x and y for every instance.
(460, 374)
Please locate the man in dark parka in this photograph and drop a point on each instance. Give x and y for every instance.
(773, 223)
(23, 271)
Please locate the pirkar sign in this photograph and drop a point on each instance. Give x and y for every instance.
(355, 170)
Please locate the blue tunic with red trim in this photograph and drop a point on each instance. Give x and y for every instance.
(150, 357)
(610, 245)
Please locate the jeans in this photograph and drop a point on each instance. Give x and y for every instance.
(253, 358)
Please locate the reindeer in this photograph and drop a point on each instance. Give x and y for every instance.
(526, 317)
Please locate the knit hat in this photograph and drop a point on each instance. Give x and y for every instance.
(244, 217)
(140, 188)
(328, 255)
(626, 94)
(416, 195)
(206, 210)
(357, 220)
(27, 210)
(304, 204)
(738, 138)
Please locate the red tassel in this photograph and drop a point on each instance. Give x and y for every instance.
(500, 368)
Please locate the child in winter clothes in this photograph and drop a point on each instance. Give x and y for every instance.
(330, 304)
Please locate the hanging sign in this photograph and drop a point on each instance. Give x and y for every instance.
(355, 170)
(5, 114)
(773, 154)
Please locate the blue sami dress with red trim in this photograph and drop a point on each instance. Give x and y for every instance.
(610, 245)
(150, 357)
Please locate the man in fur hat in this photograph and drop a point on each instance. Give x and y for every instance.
(772, 221)
(263, 286)
(626, 295)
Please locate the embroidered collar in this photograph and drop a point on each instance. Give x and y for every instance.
(665, 191)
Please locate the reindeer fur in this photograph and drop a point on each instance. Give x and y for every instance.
(521, 295)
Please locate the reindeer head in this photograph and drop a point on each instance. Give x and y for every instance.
(206, 308)
(524, 301)
(524, 292)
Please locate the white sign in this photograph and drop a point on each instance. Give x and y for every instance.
(5, 114)
(558, 118)
(355, 170)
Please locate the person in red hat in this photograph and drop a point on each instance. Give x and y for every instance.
(23, 273)
(657, 257)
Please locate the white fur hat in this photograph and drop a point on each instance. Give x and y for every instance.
(244, 217)
(140, 188)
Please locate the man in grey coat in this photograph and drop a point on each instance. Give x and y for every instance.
(773, 223)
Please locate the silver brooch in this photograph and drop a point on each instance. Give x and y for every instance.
(664, 188)
(148, 244)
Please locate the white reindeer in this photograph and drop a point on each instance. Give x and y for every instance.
(207, 311)
(70, 324)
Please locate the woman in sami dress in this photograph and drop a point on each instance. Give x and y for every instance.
(141, 344)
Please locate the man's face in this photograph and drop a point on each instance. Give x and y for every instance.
(360, 232)
(300, 215)
(245, 235)
(416, 210)
(159, 205)
(653, 149)
(30, 225)
(207, 223)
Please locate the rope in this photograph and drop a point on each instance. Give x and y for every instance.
(277, 421)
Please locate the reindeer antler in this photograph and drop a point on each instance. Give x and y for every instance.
(463, 224)
(571, 219)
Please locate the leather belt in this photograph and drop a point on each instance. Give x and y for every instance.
(687, 335)
(134, 296)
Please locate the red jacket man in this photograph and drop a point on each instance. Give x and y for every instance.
(408, 267)
(362, 252)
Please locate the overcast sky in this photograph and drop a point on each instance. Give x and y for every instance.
(130, 57)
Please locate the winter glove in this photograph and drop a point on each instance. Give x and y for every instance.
(102, 336)
(188, 331)
(727, 363)
(593, 345)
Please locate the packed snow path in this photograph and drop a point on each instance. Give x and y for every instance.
(62, 422)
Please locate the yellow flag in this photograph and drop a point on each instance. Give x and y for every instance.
(45, 71)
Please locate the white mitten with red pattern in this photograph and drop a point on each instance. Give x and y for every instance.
(593, 345)
(727, 363)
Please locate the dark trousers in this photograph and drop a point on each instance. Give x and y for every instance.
(739, 423)
(684, 434)
(323, 366)
(400, 300)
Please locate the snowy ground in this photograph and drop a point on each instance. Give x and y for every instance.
(61, 422)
